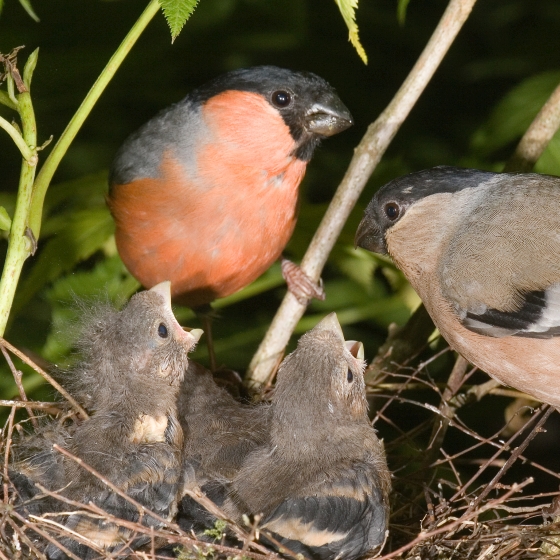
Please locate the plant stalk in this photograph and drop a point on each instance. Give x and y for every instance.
(52, 162)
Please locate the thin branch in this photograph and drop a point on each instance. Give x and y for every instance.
(366, 157)
(537, 137)
(45, 375)
(17, 378)
(32, 404)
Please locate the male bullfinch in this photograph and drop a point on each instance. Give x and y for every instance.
(206, 193)
(131, 366)
(219, 434)
(321, 483)
(482, 250)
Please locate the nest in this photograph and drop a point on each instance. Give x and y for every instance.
(465, 485)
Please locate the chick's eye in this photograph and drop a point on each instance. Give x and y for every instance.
(281, 98)
(392, 210)
(162, 331)
(350, 376)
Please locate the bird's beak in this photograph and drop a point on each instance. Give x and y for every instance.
(330, 323)
(195, 333)
(164, 290)
(369, 236)
(356, 348)
(328, 117)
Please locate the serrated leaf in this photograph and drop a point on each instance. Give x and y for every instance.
(5, 220)
(348, 10)
(177, 12)
(26, 5)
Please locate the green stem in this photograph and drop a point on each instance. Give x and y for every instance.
(51, 163)
(17, 138)
(19, 244)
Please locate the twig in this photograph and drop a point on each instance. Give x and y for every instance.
(44, 534)
(548, 410)
(211, 507)
(402, 344)
(467, 516)
(366, 157)
(8, 443)
(45, 375)
(116, 489)
(17, 378)
(31, 404)
(537, 136)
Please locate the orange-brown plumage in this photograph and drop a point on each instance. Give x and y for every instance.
(205, 195)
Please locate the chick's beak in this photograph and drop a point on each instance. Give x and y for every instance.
(369, 236)
(330, 323)
(328, 117)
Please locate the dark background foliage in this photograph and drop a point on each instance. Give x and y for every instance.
(502, 67)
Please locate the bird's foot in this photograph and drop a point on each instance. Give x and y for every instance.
(303, 287)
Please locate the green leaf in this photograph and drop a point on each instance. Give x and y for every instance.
(177, 12)
(26, 5)
(5, 98)
(107, 281)
(515, 112)
(347, 9)
(82, 234)
(5, 220)
(401, 11)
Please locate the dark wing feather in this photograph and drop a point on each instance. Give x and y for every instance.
(329, 527)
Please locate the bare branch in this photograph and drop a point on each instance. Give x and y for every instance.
(366, 157)
(45, 376)
(537, 137)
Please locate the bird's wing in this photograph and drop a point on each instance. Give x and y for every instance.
(330, 526)
(501, 268)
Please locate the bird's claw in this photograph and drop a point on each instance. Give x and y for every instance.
(300, 284)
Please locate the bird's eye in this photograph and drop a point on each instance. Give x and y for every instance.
(392, 210)
(281, 98)
(350, 376)
(162, 331)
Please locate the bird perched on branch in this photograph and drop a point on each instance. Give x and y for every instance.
(131, 366)
(321, 484)
(206, 193)
(482, 250)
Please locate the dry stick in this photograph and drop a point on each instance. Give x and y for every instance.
(366, 157)
(144, 510)
(138, 505)
(537, 136)
(7, 452)
(44, 534)
(45, 375)
(198, 496)
(425, 535)
(31, 404)
(180, 538)
(17, 378)
(447, 410)
(505, 446)
(513, 457)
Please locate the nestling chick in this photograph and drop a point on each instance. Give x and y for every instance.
(321, 484)
(482, 250)
(132, 364)
(219, 434)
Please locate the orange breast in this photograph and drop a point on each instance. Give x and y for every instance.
(214, 229)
